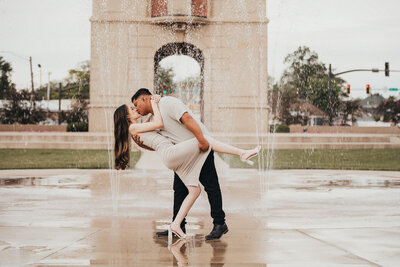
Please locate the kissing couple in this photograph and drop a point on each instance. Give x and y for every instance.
(184, 146)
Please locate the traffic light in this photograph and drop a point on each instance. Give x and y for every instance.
(164, 87)
(368, 88)
(348, 90)
(387, 69)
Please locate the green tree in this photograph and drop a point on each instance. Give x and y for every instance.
(165, 81)
(350, 108)
(390, 108)
(6, 86)
(321, 98)
(303, 67)
(307, 77)
(191, 86)
(79, 77)
(41, 93)
(281, 97)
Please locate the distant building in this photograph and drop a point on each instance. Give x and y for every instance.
(369, 106)
(366, 121)
(313, 115)
(370, 103)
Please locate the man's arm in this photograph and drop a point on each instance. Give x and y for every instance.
(136, 138)
(194, 127)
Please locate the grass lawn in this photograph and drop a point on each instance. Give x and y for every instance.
(58, 159)
(346, 159)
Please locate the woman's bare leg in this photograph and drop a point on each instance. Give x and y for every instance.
(179, 256)
(244, 154)
(225, 148)
(194, 192)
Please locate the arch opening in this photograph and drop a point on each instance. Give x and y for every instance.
(178, 72)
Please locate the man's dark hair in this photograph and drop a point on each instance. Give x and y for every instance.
(141, 91)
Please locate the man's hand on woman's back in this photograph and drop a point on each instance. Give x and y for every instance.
(156, 98)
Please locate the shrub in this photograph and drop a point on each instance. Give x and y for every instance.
(77, 127)
(280, 128)
(17, 109)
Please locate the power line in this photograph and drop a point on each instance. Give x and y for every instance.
(15, 54)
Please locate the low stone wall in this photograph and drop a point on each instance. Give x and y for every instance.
(32, 128)
(344, 129)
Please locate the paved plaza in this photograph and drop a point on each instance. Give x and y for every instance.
(278, 218)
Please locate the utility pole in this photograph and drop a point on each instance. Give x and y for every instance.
(48, 88)
(330, 95)
(59, 102)
(48, 96)
(33, 88)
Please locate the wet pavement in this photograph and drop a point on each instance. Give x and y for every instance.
(279, 218)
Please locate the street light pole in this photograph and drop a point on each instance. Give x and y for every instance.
(40, 75)
(333, 75)
(33, 88)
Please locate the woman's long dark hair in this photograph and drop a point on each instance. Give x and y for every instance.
(122, 140)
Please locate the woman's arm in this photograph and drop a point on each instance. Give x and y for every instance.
(137, 140)
(148, 118)
(157, 99)
(157, 122)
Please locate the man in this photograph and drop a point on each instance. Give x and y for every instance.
(179, 126)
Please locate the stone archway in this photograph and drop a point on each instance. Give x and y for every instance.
(187, 50)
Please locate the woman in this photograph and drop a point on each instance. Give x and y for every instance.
(184, 158)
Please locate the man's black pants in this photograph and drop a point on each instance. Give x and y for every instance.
(209, 179)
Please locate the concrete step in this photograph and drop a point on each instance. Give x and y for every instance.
(68, 137)
(54, 140)
(105, 146)
(334, 145)
(55, 145)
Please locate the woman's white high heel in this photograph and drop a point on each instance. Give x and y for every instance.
(248, 154)
(170, 232)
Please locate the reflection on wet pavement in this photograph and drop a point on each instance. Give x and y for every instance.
(282, 218)
(20, 181)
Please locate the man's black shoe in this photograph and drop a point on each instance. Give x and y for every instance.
(165, 233)
(217, 231)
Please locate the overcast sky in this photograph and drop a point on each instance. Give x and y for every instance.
(346, 33)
